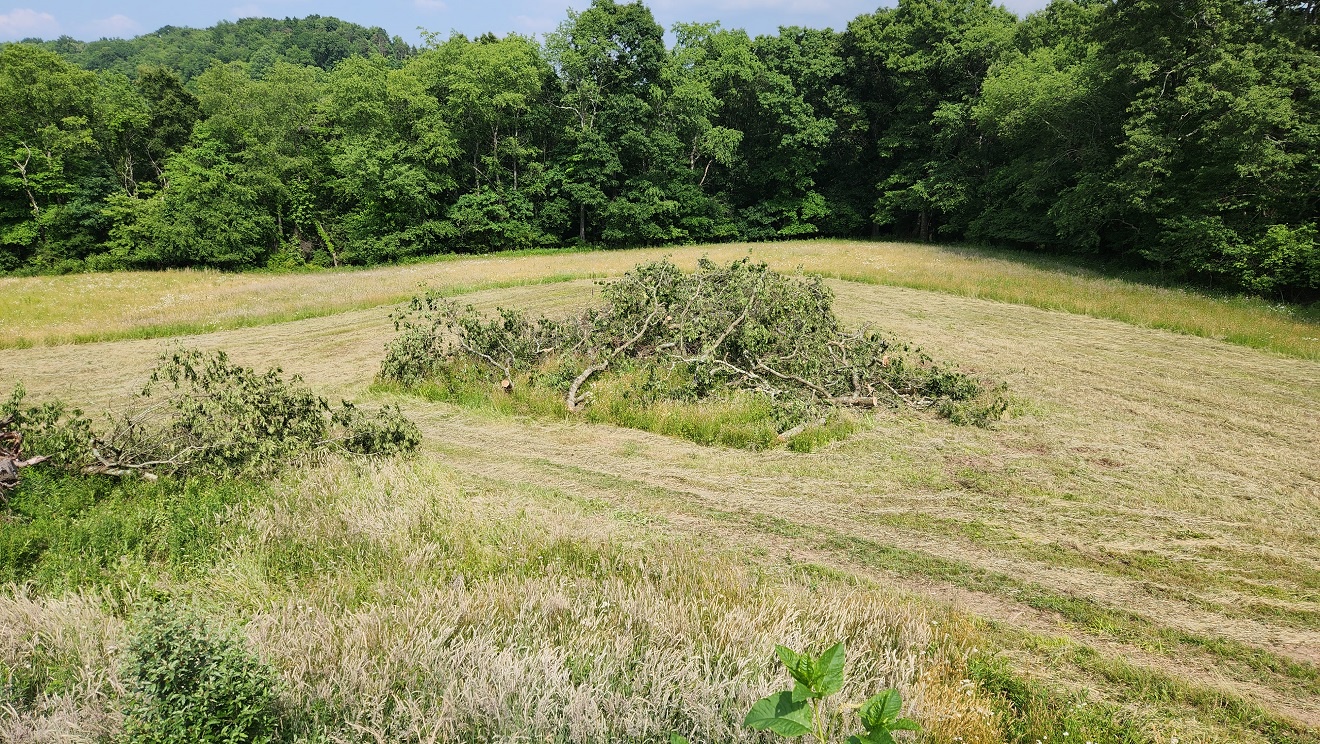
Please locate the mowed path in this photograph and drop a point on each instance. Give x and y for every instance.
(1167, 481)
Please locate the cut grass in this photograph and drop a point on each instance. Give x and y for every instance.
(97, 307)
(1111, 623)
(1136, 445)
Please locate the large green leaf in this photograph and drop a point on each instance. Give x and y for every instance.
(830, 670)
(787, 655)
(781, 714)
(802, 668)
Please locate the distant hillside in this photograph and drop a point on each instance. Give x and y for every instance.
(314, 40)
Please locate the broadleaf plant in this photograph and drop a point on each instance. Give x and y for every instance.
(801, 711)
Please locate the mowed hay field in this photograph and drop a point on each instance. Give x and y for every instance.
(1141, 539)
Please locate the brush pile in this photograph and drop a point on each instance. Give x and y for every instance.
(741, 327)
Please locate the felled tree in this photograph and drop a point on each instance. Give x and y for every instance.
(198, 413)
(741, 327)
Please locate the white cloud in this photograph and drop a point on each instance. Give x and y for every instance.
(20, 23)
(115, 27)
(430, 5)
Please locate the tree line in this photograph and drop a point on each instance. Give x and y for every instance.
(1178, 133)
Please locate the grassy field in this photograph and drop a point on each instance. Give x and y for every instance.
(86, 308)
(1135, 557)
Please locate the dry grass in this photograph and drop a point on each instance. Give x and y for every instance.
(486, 617)
(1151, 510)
(67, 644)
(94, 307)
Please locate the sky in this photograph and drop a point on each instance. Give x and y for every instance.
(93, 19)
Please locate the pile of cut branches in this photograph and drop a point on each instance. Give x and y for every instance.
(741, 327)
(198, 414)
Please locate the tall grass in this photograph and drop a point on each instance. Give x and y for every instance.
(400, 602)
(624, 397)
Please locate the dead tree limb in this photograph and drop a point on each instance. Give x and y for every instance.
(11, 458)
(795, 378)
(574, 400)
(784, 436)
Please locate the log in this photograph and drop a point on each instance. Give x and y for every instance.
(788, 434)
(9, 467)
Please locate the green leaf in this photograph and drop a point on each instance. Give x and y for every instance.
(880, 711)
(787, 655)
(781, 714)
(905, 724)
(802, 668)
(677, 738)
(829, 669)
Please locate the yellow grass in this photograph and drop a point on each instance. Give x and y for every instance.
(90, 307)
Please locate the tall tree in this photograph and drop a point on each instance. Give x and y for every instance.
(387, 155)
(48, 178)
(608, 59)
(493, 94)
(917, 71)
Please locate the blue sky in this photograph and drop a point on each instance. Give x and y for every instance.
(93, 19)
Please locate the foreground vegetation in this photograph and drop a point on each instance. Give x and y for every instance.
(405, 601)
(1131, 557)
(1177, 136)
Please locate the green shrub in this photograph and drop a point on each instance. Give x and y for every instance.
(191, 682)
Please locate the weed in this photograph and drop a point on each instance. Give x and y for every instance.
(801, 710)
(190, 682)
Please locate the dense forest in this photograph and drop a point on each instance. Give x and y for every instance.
(1178, 133)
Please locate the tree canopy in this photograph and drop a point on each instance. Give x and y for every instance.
(1181, 135)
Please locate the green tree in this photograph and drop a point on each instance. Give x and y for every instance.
(1051, 112)
(493, 93)
(48, 176)
(173, 109)
(386, 158)
(917, 69)
(1217, 169)
(609, 61)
